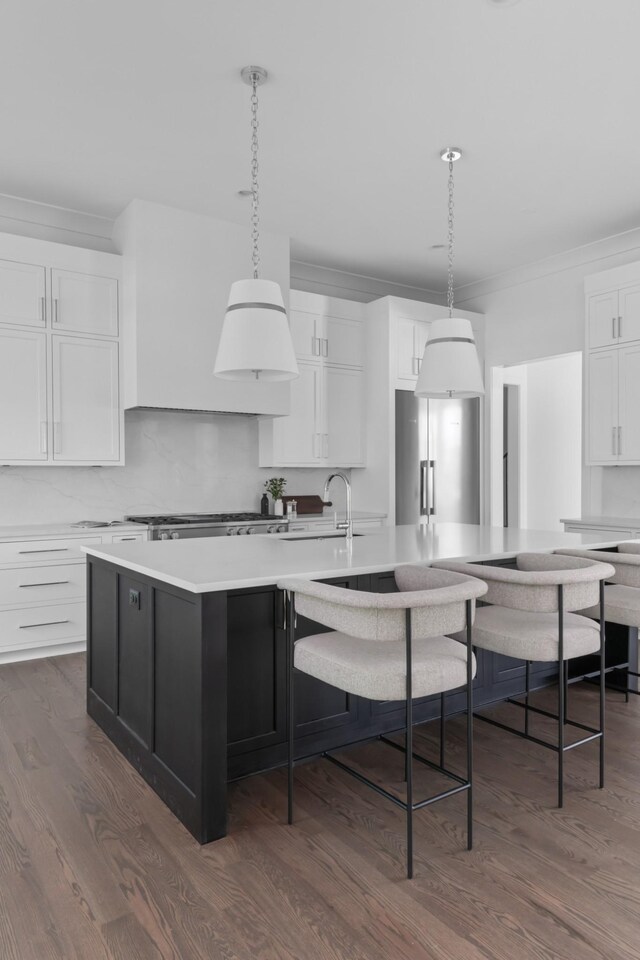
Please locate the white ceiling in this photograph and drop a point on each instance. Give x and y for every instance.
(107, 100)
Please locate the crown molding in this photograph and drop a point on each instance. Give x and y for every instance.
(313, 278)
(599, 255)
(44, 221)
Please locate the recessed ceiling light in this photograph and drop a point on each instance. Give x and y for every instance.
(245, 193)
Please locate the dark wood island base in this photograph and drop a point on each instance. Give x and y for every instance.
(191, 687)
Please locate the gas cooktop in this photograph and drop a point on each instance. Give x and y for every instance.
(180, 518)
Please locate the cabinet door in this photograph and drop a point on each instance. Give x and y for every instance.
(23, 396)
(629, 420)
(83, 303)
(297, 438)
(407, 366)
(345, 341)
(629, 314)
(86, 412)
(420, 337)
(602, 428)
(603, 314)
(305, 335)
(344, 406)
(22, 294)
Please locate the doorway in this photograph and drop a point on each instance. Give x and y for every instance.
(536, 431)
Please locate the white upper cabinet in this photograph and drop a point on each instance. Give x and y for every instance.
(326, 423)
(412, 337)
(612, 394)
(23, 396)
(602, 432)
(629, 401)
(84, 304)
(22, 294)
(59, 393)
(602, 318)
(86, 409)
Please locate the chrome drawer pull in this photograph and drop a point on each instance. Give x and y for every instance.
(49, 623)
(47, 583)
(49, 550)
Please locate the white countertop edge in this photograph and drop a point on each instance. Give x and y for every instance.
(321, 573)
(48, 531)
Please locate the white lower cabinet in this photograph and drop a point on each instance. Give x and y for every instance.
(42, 594)
(86, 408)
(23, 396)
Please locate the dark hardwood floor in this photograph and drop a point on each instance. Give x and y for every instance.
(92, 865)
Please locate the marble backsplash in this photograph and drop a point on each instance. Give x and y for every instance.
(620, 491)
(175, 462)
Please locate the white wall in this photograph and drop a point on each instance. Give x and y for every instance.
(181, 462)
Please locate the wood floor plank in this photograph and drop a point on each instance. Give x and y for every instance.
(94, 867)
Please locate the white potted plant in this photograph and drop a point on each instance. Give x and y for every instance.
(275, 488)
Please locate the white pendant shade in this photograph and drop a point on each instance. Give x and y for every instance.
(450, 365)
(256, 341)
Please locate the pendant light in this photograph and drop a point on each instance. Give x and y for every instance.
(255, 343)
(450, 365)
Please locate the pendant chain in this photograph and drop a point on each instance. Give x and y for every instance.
(255, 219)
(450, 271)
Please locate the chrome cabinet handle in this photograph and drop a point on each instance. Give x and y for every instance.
(43, 309)
(47, 623)
(55, 318)
(325, 348)
(47, 583)
(619, 327)
(49, 550)
(424, 485)
(432, 508)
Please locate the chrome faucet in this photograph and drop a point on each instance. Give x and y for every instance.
(347, 524)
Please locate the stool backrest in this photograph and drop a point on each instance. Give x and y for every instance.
(438, 607)
(533, 585)
(629, 546)
(626, 566)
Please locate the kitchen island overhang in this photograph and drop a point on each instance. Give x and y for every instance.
(186, 652)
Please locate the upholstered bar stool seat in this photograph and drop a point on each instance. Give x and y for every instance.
(377, 670)
(532, 617)
(388, 646)
(533, 636)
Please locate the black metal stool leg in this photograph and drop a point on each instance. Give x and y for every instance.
(442, 729)
(602, 684)
(290, 608)
(561, 703)
(565, 679)
(527, 687)
(469, 727)
(409, 742)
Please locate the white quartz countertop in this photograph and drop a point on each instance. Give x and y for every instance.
(328, 514)
(35, 531)
(626, 523)
(207, 564)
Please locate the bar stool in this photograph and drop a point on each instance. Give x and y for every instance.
(621, 595)
(529, 619)
(388, 646)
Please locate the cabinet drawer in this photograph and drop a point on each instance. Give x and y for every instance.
(122, 537)
(26, 585)
(33, 551)
(41, 626)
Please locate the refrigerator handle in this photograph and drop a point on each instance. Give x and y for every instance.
(424, 488)
(432, 508)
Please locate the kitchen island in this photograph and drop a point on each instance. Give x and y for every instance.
(187, 650)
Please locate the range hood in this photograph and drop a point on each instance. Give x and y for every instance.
(177, 271)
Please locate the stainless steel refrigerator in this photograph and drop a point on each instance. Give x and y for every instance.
(437, 459)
